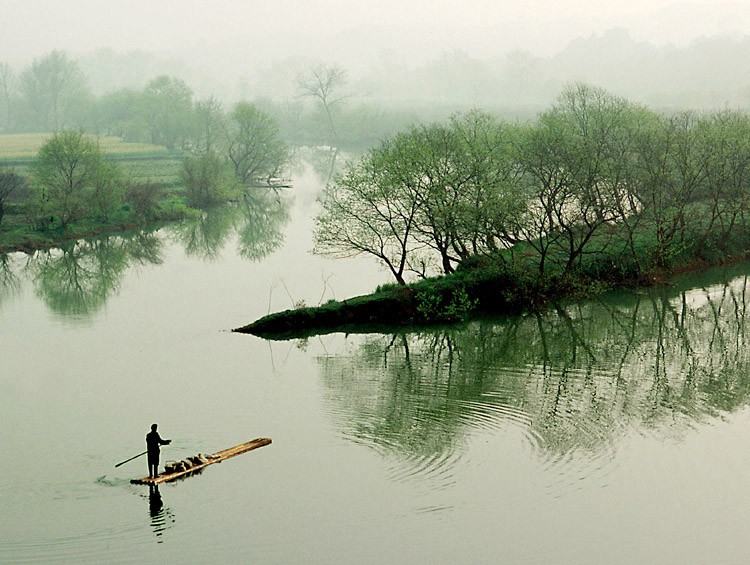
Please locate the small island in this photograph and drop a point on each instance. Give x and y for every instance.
(479, 215)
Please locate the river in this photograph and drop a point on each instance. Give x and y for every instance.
(611, 431)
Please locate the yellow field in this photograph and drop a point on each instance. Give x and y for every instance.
(24, 145)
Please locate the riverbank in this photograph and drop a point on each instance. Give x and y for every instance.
(16, 234)
(440, 300)
(483, 286)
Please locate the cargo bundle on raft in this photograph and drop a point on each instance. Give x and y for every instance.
(190, 465)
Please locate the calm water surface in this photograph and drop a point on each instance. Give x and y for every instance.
(615, 431)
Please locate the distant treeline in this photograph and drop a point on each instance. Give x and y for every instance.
(53, 94)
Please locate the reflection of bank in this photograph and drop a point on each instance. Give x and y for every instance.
(78, 278)
(573, 379)
(161, 518)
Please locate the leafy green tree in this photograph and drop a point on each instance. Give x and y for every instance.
(143, 198)
(364, 213)
(254, 146)
(168, 105)
(68, 170)
(208, 127)
(672, 165)
(7, 88)
(10, 184)
(435, 194)
(107, 190)
(123, 113)
(576, 164)
(53, 87)
(727, 174)
(207, 180)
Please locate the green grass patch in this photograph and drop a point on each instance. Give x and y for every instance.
(19, 146)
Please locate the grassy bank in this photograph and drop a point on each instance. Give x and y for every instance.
(140, 163)
(508, 282)
(446, 299)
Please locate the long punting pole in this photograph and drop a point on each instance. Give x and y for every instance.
(134, 457)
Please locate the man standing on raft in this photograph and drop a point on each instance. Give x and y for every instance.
(153, 441)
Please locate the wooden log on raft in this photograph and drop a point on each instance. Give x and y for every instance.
(217, 457)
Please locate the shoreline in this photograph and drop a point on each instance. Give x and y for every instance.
(488, 294)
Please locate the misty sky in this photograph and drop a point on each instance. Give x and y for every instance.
(348, 31)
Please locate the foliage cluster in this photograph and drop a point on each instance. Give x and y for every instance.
(597, 189)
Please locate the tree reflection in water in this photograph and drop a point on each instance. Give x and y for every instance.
(263, 216)
(9, 283)
(77, 279)
(573, 379)
(257, 219)
(205, 235)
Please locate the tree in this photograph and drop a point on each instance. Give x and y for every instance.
(672, 166)
(52, 86)
(68, 169)
(107, 190)
(463, 176)
(10, 183)
(435, 194)
(322, 84)
(144, 198)
(209, 125)
(7, 86)
(206, 180)
(364, 213)
(123, 113)
(727, 173)
(575, 160)
(254, 146)
(168, 103)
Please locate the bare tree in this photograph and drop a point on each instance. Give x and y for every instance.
(323, 83)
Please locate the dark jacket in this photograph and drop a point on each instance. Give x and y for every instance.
(153, 441)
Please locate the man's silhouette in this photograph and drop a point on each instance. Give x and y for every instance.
(153, 441)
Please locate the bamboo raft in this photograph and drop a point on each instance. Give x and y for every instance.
(217, 457)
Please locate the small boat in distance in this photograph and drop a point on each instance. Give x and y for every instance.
(217, 457)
